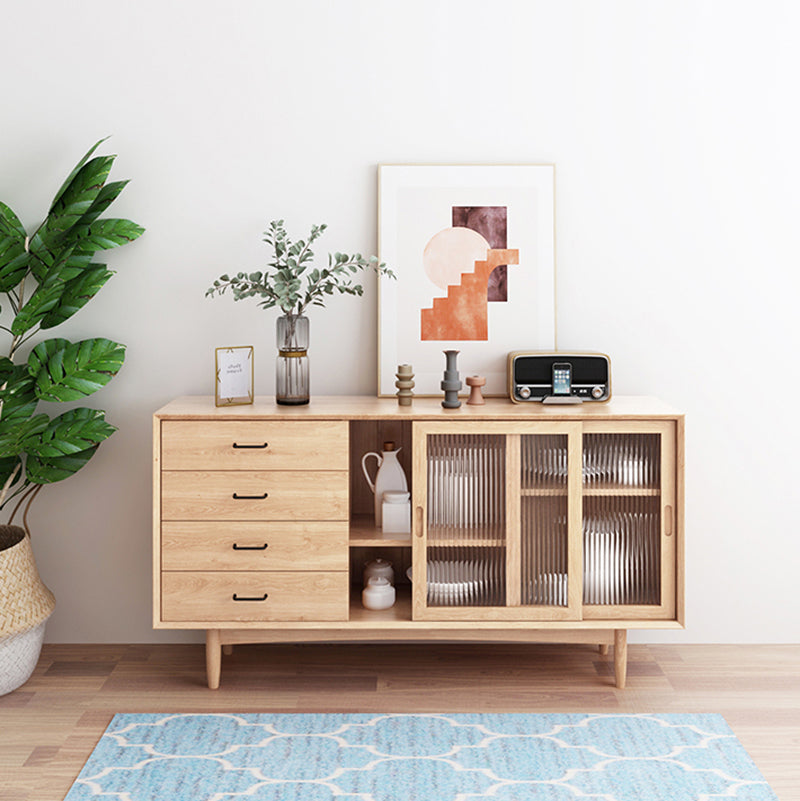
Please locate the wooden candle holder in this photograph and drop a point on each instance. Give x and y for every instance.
(475, 382)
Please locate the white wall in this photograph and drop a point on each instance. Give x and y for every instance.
(675, 130)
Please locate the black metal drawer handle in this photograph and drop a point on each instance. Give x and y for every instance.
(237, 445)
(237, 547)
(238, 497)
(247, 598)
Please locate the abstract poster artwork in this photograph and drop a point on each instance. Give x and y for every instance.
(474, 254)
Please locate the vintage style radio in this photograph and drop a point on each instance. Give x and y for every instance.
(555, 377)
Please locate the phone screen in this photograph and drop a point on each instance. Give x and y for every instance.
(562, 378)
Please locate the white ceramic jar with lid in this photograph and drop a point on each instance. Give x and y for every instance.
(378, 568)
(378, 594)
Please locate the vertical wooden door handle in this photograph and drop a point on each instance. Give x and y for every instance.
(668, 521)
(420, 520)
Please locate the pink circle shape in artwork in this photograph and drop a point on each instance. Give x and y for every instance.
(452, 252)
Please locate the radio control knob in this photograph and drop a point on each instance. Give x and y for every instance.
(597, 392)
(524, 392)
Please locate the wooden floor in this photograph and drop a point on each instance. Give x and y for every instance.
(49, 726)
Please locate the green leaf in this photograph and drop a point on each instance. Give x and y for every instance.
(48, 470)
(108, 194)
(75, 171)
(18, 395)
(70, 433)
(47, 295)
(66, 371)
(13, 257)
(41, 303)
(75, 263)
(106, 234)
(7, 467)
(76, 293)
(14, 262)
(78, 197)
(10, 224)
(45, 260)
(14, 434)
(6, 369)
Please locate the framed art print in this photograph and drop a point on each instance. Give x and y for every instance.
(473, 249)
(233, 384)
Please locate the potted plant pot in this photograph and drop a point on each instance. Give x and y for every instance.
(25, 606)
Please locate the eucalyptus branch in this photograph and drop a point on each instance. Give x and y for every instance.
(284, 286)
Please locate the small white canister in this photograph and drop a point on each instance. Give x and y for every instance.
(396, 512)
(378, 594)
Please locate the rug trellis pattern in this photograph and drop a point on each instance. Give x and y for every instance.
(425, 757)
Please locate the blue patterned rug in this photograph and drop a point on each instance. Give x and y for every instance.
(373, 757)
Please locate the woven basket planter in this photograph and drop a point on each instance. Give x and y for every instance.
(25, 605)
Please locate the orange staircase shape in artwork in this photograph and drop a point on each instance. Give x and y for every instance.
(463, 314)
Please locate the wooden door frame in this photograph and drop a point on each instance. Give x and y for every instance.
(513, 611)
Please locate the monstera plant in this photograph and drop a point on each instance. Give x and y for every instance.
(46, 277)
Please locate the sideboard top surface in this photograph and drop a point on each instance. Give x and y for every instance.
(368, 407)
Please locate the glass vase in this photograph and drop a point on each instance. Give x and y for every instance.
(291, 368)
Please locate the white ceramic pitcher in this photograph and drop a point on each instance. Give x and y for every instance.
(390, 476)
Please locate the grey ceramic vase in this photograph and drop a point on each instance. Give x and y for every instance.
(451, 383)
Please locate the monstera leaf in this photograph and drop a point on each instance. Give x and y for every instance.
(67, 371)
(41, 303)
(76, 293)
(77, 198)
(70, 433)
(13, 256)
(17, 394)
(105, 234)
(13, 437)
(42, 470)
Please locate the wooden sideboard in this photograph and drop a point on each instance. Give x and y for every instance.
(530, 523)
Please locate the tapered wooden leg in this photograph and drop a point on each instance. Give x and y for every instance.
(227, 650)
(213, 658)
(604, 649)
(620, 656)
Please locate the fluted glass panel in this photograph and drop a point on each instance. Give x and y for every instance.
(466, 520)
(464, 576)
(544, 462)
(621, 460)
(621, 551)
(544, 520)
(466, 487)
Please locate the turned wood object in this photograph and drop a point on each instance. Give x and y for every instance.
(475, 382)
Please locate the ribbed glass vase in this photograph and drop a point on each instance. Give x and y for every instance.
(291, 369)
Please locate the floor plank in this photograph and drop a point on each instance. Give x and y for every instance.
(50, 725)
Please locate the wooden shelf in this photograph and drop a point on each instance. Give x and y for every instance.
(466, 542)
(364, 533)
(641, 492)
(401, 611)
(554, 492)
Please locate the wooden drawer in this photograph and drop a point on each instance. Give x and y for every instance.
(261, 495)
(198, 596)
(253, 445)
(239, 545)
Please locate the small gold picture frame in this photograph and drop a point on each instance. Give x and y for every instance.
(233, 384)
